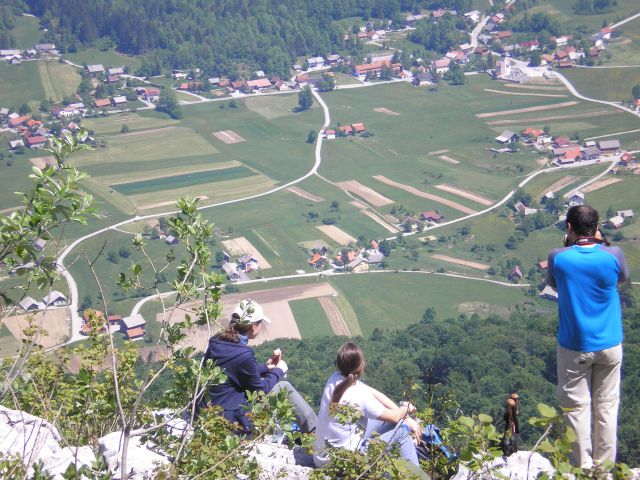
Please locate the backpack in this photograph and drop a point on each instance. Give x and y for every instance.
(431, 445)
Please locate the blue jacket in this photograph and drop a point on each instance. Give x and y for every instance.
(243, 373)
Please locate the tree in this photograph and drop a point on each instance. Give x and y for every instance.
(24, 109)
(312, 136)
(534, 58)
(635, 91)
(305, 99)
(335, 205)
(168, 103)
(327, 84)
(429, 315)
(125, 128)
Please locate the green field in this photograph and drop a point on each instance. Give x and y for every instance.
(310, 317)
(26, 32)
(625, 50)
(590, 81)
(109, 58)
(181, 181)
(134, 121)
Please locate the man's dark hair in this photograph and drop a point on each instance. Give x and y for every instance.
(583, 220)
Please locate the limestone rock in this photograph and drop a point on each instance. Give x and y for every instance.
(36, 440)
(278, 462)
(513, 467)
(141, 461)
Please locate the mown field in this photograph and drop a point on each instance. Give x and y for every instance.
(109, 58)
(619, 82)
(26, 31)
(625, 50)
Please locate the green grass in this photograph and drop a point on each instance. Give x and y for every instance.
(310, 317)
(618, 81)
(626, 49)
(392, 300)
(136, 122)
(180, 181)
(58, 79)
(26, 32)
(109, 58)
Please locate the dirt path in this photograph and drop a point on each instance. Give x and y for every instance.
(600, 184)
(465, 194)
(368, 194)
(438, 152)
(553, 117)
(144, 132)
(502, 92)
(421, 194)
(528, 109)
(534, 87)
(338, 325)
(386, 111)
(449, 159)
(379, 221)
(304, 194)
(559, 185)
(458, 261)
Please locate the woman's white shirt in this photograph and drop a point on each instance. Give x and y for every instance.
(328, 430)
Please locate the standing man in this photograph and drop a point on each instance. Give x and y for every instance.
(586, 273)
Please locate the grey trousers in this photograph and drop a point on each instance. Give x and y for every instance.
(305, 416)
(590, 382)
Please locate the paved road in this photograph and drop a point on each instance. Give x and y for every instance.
(476, 31)
(622, 22)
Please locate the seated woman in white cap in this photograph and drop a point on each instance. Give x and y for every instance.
(228, 350)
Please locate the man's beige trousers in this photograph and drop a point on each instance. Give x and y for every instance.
(590, 382)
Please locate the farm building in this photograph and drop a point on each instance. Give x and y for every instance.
(625, 213)
(507, 137)
(577, 198)
(102, 102)
(609, 146)
(29, 304)
(616, 222)
(432, 216)
(132, 325)
(515, 274)
(55, 299)
(95, 69)
(549, 293)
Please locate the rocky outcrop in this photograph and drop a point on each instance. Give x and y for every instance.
(37, 441)
(519, 466)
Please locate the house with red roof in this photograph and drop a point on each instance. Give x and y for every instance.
(562, 141)
(330, 134)
(14, 122)
(432, 216)
(358, 127)
(36, 142)
(346, 129)
(102, 102)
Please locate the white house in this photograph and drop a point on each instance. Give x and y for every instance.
(507, 136)
(55, 299)
(616, 222)
(315, 62)
(625, 213)
(95, 69)
(577, 198)
(28, 304)
(135, 320)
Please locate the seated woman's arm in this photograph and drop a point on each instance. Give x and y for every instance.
(394, 415)
(381, 397)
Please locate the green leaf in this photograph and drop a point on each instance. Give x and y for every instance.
(466, 421)
(484, 418)
(547, 411)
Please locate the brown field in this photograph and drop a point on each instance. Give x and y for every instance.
(368, 194)
(55, 321)
(559, 185)
(380, 221)
(421, 194)
(526, 94)
(600, 184)
(525, 110)
(438, 152)
(240, 246)
(338, 325)
(458, 261)
(334, 233)
(358, 204)
(549, 118)
(449, 159)
(307, 195)
(275, 303)
(533, 87)
(386, 111)
(464, 193)
(228, 136)
(42, 162)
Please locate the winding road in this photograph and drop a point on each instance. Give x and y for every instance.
(76, 320)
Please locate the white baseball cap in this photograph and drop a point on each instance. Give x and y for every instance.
(250, 311)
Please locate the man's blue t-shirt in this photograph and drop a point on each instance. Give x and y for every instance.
(586, 278)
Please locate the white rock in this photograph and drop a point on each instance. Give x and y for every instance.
(141, 461)
(36, 440)
(278, 462)
(513, 467)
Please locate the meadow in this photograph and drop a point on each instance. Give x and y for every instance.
(109, 58)
(619, 82)
(310, 317)
(26, 31)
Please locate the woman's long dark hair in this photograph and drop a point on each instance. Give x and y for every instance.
(350, 363)
(234, 330)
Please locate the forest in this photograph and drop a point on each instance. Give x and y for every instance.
(469, 365)
(222, 37)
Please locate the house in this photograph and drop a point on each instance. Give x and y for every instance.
(114, 320)
(214, 81)
(171, 240)
(135, 333)
(45, 48)
(515, 274)
(358, 265)
(334, 58)
(259, 83)
(374, 68)
(15, 144)
(152, 94)
(346, 129)
(95, 69)
(330, 134)
(178, 74)
(18, 120)
(502, 34)
(616, 222)
(609, 146)
(259, 73)
(520, 207)
(115, 71)
(302, 79)
(39, 244)
(29, 304)
(133, 321)
(317, 260)
(36, 142)
(315, 62)
(590, 153)
(507, 136)
(563, 40)
(473, 15)
(570, 155)
(546, 59)
(532, 133)
(119, 100)
(439, 13)
(183, 86)
(55, 298)
(481, 50)
(90, 312)
(247, 262)
(549, 293)
(432, 216)
(237, 85)
(358, 127)
(577, 198)
(567, 63)
(441, 66)
(4, 111)
(231, 271)
(374, 244)
(374, 257)
(562, 141)
(625, 213)
(102, 102)
(424, 78)
(281, 86)
(626, 158)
